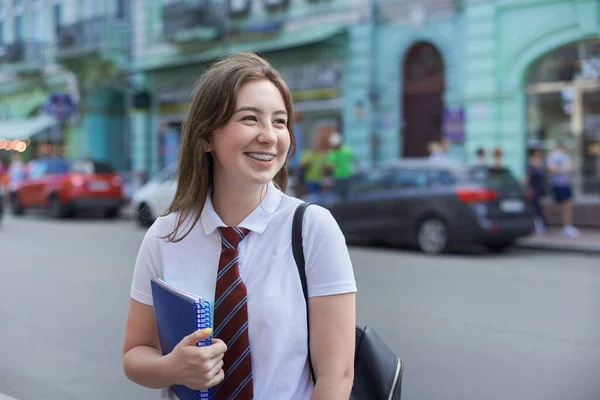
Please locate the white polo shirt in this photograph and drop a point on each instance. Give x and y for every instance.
(276, 308)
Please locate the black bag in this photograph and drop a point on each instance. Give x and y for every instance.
(377, 370)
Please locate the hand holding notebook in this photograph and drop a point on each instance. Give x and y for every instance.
(193, 360)
(197, 367)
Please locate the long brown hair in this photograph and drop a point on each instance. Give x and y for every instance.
(214, 102)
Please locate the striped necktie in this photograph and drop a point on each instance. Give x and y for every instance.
(231, 320)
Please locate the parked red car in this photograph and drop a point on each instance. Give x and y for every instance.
(65, 187)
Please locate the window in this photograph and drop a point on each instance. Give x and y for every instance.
(411, 178)
(37, 20)
(374, 180)
(1, 33)
(57, 166)
(122, 9)
(239, 6)
(57, 14)
(91, 167)
(443, 178)
(18, 27)
(93, 8)
(495, 178)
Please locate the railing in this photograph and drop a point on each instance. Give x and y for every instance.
(22, 51)
(183, 16)
(93, 34)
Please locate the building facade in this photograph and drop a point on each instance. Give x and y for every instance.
(533, 69)
(175, 41)
(63, 76)
(386, 74)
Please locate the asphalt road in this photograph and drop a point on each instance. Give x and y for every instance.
(521, 326)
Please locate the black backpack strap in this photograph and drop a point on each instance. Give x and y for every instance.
(298, 251)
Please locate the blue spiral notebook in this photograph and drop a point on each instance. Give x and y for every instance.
(179, 313)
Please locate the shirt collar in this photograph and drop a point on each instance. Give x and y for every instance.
(258, 219)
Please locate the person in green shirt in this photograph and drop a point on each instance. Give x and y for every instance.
(313, 164)
(340, 160)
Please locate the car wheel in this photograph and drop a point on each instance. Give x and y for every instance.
(432, 236)
(499, 247)
(144, 216)
(16, 206)
(56, 209)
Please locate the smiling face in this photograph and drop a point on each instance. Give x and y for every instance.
(252, 146)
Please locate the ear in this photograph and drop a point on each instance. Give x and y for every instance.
(208, 145)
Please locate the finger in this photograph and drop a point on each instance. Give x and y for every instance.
(213, 372)
(219, 341)
(193, 338)
(217, 348)
(218, 378)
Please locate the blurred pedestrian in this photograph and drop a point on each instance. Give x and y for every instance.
(560, 167)
(481, 157)
(341, 160)
(435, 151)
(16, 171)
(497, 156)
(535, 179)
(232, 170)
(313, 162)
(446, 148)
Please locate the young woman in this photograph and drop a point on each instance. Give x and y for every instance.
(232, 173)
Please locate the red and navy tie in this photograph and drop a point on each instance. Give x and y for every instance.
(231, 320)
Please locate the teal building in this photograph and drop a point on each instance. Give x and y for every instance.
(533, 71)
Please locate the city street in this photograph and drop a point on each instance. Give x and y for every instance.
(519, 326)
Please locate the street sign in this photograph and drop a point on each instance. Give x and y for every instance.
(61, 106)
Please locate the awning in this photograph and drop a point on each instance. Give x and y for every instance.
(15, 129)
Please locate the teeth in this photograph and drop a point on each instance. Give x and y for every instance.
(261, 157)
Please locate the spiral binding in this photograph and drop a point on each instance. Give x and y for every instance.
(203, 321)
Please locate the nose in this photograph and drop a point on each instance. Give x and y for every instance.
(267, 135)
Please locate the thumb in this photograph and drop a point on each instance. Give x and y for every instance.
(197, 336)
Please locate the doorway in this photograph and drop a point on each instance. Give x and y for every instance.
(422, 99)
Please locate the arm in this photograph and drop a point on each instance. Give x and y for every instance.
(331, 305)
(332, 338)
(142, 361)
(189, 365)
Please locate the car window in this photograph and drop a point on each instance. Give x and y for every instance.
(407, 178)
(91, 167)
(38, 170)
(57, 166)
(443, 177)
(101, 167)
(497, 178)
(372, 180)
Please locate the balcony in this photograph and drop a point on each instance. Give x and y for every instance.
(184, 22)
(104, 35)
(24, 54)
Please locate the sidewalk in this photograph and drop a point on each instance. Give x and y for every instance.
(5, 397)
(587, 242)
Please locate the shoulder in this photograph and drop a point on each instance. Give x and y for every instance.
(317, 216)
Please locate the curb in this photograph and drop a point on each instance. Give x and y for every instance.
(557, 247)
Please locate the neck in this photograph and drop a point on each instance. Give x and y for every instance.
(233, 203)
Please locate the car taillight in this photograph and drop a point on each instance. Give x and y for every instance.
(117, 181)
(476, 195)
(77, 181)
